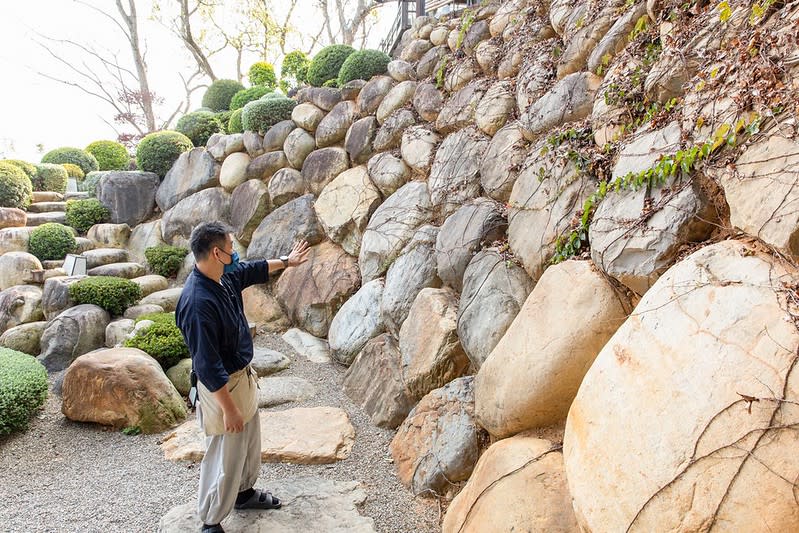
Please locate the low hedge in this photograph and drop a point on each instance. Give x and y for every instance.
(326, 64)
(362, 65)
(158, 151)
(112, 294)
(83, 214)
(15, 186)
(23, 389)
(86, 161)
(50, 177)
(162, 340)
(198, 126)
(234, 125)
(165, 260)
(110, 155)
(74, 171)
(245, 96)
(28, 168)
(51, 241)
(261, 115)
(219, 94)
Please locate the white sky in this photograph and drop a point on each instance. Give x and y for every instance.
(36, 110)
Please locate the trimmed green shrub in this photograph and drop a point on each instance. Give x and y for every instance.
(110, 155)
(162, 340)
(362, 65)
(83, 214)
(234, 125)
(158, 151)
(223, 117)
(245, 96)
(331, 83)
(86, 161)
(27, 168)
(50, 177)
(199, 126)
(219, 94)
(51, 241)
(261, 115)
(326, 64)
(112, 294)
(294, 71)
(165, 260)
(263, 74)
(270, 96)
(89, 183)
(15, 186)
(23, 389)
(74, 171)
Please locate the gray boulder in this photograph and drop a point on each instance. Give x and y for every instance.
(208, 204)
(333, 128)
(286, 185)
(249, 205)
(76, 331)
(194, 171)
(322, 165)
(276, 233)
(358, 142)
(357, 321)
(130, 196)
(455, 175)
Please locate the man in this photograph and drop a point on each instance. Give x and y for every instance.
(210, 314)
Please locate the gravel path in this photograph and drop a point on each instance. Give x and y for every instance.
(63, 476)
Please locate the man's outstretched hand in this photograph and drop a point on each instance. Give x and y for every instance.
(299, 253)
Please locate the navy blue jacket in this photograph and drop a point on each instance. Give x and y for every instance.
(211, 318)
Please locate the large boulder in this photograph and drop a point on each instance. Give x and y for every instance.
(535, 74)
(167, 298)
(401, 70)
(519, 484)
(151, 283)
(307, 116)
(104, 256)
(208, 204)
(582, 43)
(636, 235)
(762, 194)
(125, 270)
(396, 98)
(389, 135)
(298, 146)
(262, 309)
(109, 235)
(494, 290)
(194, 171)
(430, 62)
(428, 101)
(118, 330)
(333, 128)
(455, 175)
(314, 291)
(502, 160)
(249, 205)
(262, 167)
(14, 239)
(25, 338)
(439, 443)
(432, 354)
(276, 136)
(374, 381)
(253, 143)
(72, 333)
(392, 225)
(16, 268)
(359, 139)
(277, 233)
(458, 111)
(388, 172)
(11, 217)
(286, 185)
(121, 387)
(55, 295)
(130, 196)
(476, 33)
(234, 171)
(688, 407)
(321, 166)
(531, 377)
(571, 99)
(325, 98)
(463, 234)
(21, 304)
(413, 270)
(344, 207)
(549, 190)
(143, 236)
(372, 94)
(220, 146)
(356, 322)
(495, 107)
(419, 147)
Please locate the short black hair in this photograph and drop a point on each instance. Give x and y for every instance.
(206, 236)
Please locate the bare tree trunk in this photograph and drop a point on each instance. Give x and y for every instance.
(185, 33)
(138, 59)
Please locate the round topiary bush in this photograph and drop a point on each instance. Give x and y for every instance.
(158, 151)
(51, 241)
(50, 177)
(15, 186)
(269, 96)
(76, 156)
(234, 125)
(162, 340)
(244, 97)
(110, 155)
(23, 389)
(74, 171)
(199, 126)
(28, 168)
(362, 65)
(263, 74)
(261, 115)
(112, 294)
(327, 63)
(83, 214)
(294, 70)
(165, 260)
(219, 94)
(223, 117)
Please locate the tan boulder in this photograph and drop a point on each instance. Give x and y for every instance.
(333, 128)
(20, 304)
(571, 99)
(14, 239)
(286, 185)
(397, 97)
(458, 111)
(24, 338)
(109, 235)
(388, 172)
(249, 204)
(262, 308)
(455, 174)
(419, 147)
(234, 170)
(16, 267)
(168, 298)
(307, 116)
(518, 485)
(144, 236)
(121, 387)
(495, 107)
(151, 283)
(298, 146)
(11, 217)
(682, 422)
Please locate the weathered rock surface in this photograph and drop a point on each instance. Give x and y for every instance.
(267, 362)
(312, 348)
(307, 116)
(234, 171)
(298, 146)
(16, 267)
(130, 196)
(118, 330)
(321, 166)
(21, 304)
(419, 147)
(168, 298)
(109, 235)
(264, 166)
(458, 111)
(333, 128)
(389, 135)
(14, 239)
(194, 171)
(428, 101)
(249, 204)
(55, 295)
(495, 107)
(455, 175)
(276, 137)
(11, 217)
(388, 173)
(279, 390)
(208, 204)
(359, 139)
(572, 98)
(125, 270)
(285, 225)
(286, 185)
(262, 309)
(356, 322)
(372, 94)
(25, 338)
(72, 333)
(143, 236)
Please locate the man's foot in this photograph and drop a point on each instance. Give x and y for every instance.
(215, 528)
(259, 499)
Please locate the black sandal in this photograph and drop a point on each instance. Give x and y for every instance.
(260, 499)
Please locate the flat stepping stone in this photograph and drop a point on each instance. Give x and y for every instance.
(304, 435)
(266, 361)
(75, 195)
(47, 196)
(119, 270)
(136, 311)
(50, 264)
(84, 245)
(313, 348)
(37, 219)
(151, 283)
(47, 207)
(283, 389)
(168, 299)
(105, 256)
(310, 504)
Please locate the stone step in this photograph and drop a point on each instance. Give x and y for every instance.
(52, 263)
(119, 270)
(37, 219)
(84, 245)
(76, 196)
(47, 196)
(105, 256)
(47, 207)
(313, 348)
